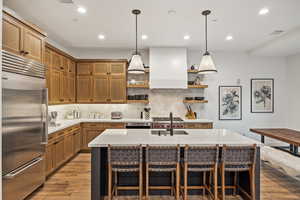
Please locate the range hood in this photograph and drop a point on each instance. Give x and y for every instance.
(168, 68)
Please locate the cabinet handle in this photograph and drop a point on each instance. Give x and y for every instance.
(22, 51)
(108, 99)
(61, 68)
(26, 52)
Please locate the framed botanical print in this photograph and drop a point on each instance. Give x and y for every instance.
(230, 103)
(262, 95)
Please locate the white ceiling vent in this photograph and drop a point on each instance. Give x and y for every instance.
(66, 1)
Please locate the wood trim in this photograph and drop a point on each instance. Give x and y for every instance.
(101, 60)
(21, 20)
(57, 50)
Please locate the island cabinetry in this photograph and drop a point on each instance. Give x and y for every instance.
(92, 130)
(101, 81)
(62, 146)
(198, 125)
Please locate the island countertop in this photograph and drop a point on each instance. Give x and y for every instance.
(194, 137)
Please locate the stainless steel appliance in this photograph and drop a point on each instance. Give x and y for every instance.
(138, 125)
(116, 115)
(164, 123)
(24, 126)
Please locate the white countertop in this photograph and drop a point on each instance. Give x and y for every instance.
(67, 123)
(194, 137)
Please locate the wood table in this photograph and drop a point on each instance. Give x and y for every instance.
(292, 137)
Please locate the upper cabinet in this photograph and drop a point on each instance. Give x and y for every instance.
(22, 39)
(105, 80)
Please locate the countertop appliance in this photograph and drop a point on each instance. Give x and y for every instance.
(24, 126)
(138, 125)
(164, 123)
(116, 115)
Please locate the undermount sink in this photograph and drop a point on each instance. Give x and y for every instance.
(167, 133)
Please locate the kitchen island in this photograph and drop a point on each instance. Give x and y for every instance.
(144, 137)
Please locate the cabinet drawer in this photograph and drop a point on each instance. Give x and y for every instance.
(198, 125)
(93, 125)
(114, 125)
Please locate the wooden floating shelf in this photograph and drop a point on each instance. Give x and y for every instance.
(192, 71)
(197, 86)
(138, 86)
(147, 70)
(195, 101)
(138, 101)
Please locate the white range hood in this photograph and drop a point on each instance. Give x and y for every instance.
(168, 68)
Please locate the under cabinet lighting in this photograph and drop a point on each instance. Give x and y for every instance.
(263, 11)
(81, 10)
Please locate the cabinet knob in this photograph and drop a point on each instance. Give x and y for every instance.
(26, 52)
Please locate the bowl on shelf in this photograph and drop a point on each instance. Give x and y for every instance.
(199, 98)
(189, 98)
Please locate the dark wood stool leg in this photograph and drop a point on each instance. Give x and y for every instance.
(235, 183)
(147, 181)
(252, 182)
(141, 182)
(177, 181)
(204, 184)
(216, 183)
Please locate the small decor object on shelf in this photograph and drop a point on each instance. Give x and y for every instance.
(230, 103)
(262, 95)
(192, 67)
(197, 81)
(190, 114)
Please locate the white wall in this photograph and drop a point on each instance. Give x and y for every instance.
(293, 63)
(231, 66)
(1, 97)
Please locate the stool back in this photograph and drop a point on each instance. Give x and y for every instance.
(239, 155)
(201, 155)
(162, 155)
(125, 155)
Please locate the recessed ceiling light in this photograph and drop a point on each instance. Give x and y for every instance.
(101, 37)
(186, 37)
(229, 37)
(263, 11)
(171, 12)
(144, 37)
(81, 10)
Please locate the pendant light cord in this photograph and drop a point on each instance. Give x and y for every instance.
(205, 33)
(136, 41)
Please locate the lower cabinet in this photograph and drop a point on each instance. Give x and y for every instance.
(198, 125)
(61, 146)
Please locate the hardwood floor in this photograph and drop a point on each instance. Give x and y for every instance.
(72, 182)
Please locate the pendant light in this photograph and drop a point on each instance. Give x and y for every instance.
(136, 65)
(207, 65)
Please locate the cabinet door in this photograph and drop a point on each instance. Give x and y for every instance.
(33, 45)
(47, 61)
(84, 89)
(68, 144)
(71, 88)
(50, 158)
(77, 141)
(101, 89)
(56, 61)
(63, 81)
(102, 69)
(65, 64)
(84, 68)
(12, 36)
(54, 87)
(89, 135)
(117, 89)
(118, 69)
(59, 152)
(72, 67)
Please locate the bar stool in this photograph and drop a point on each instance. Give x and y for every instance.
(201, 159)
(163, 159)
(238, 159)
(124, 159)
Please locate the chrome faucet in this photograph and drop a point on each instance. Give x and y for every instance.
(171, 124)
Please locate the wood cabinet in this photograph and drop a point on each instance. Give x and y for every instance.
(91, 130)
(198, 125)
(61, 146)
(62, 85)
(106, 82)
(22, 39)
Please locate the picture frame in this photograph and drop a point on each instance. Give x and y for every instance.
(262, 95)
(230, 103)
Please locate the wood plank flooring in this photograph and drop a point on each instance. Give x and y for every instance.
(72, 182)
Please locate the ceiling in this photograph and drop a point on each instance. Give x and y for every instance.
(113, 19)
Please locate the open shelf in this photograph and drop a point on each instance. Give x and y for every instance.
(195, 101)
(138, 86)
(197, 86)
(192, 71)
(138, 101)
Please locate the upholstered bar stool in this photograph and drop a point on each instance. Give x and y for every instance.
(124, 159)
(163, 159)
(238, 159)
(201, 159)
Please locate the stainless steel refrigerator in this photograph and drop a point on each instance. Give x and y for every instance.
(24, 126)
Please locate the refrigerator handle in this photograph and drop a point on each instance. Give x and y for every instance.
(45, 116)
